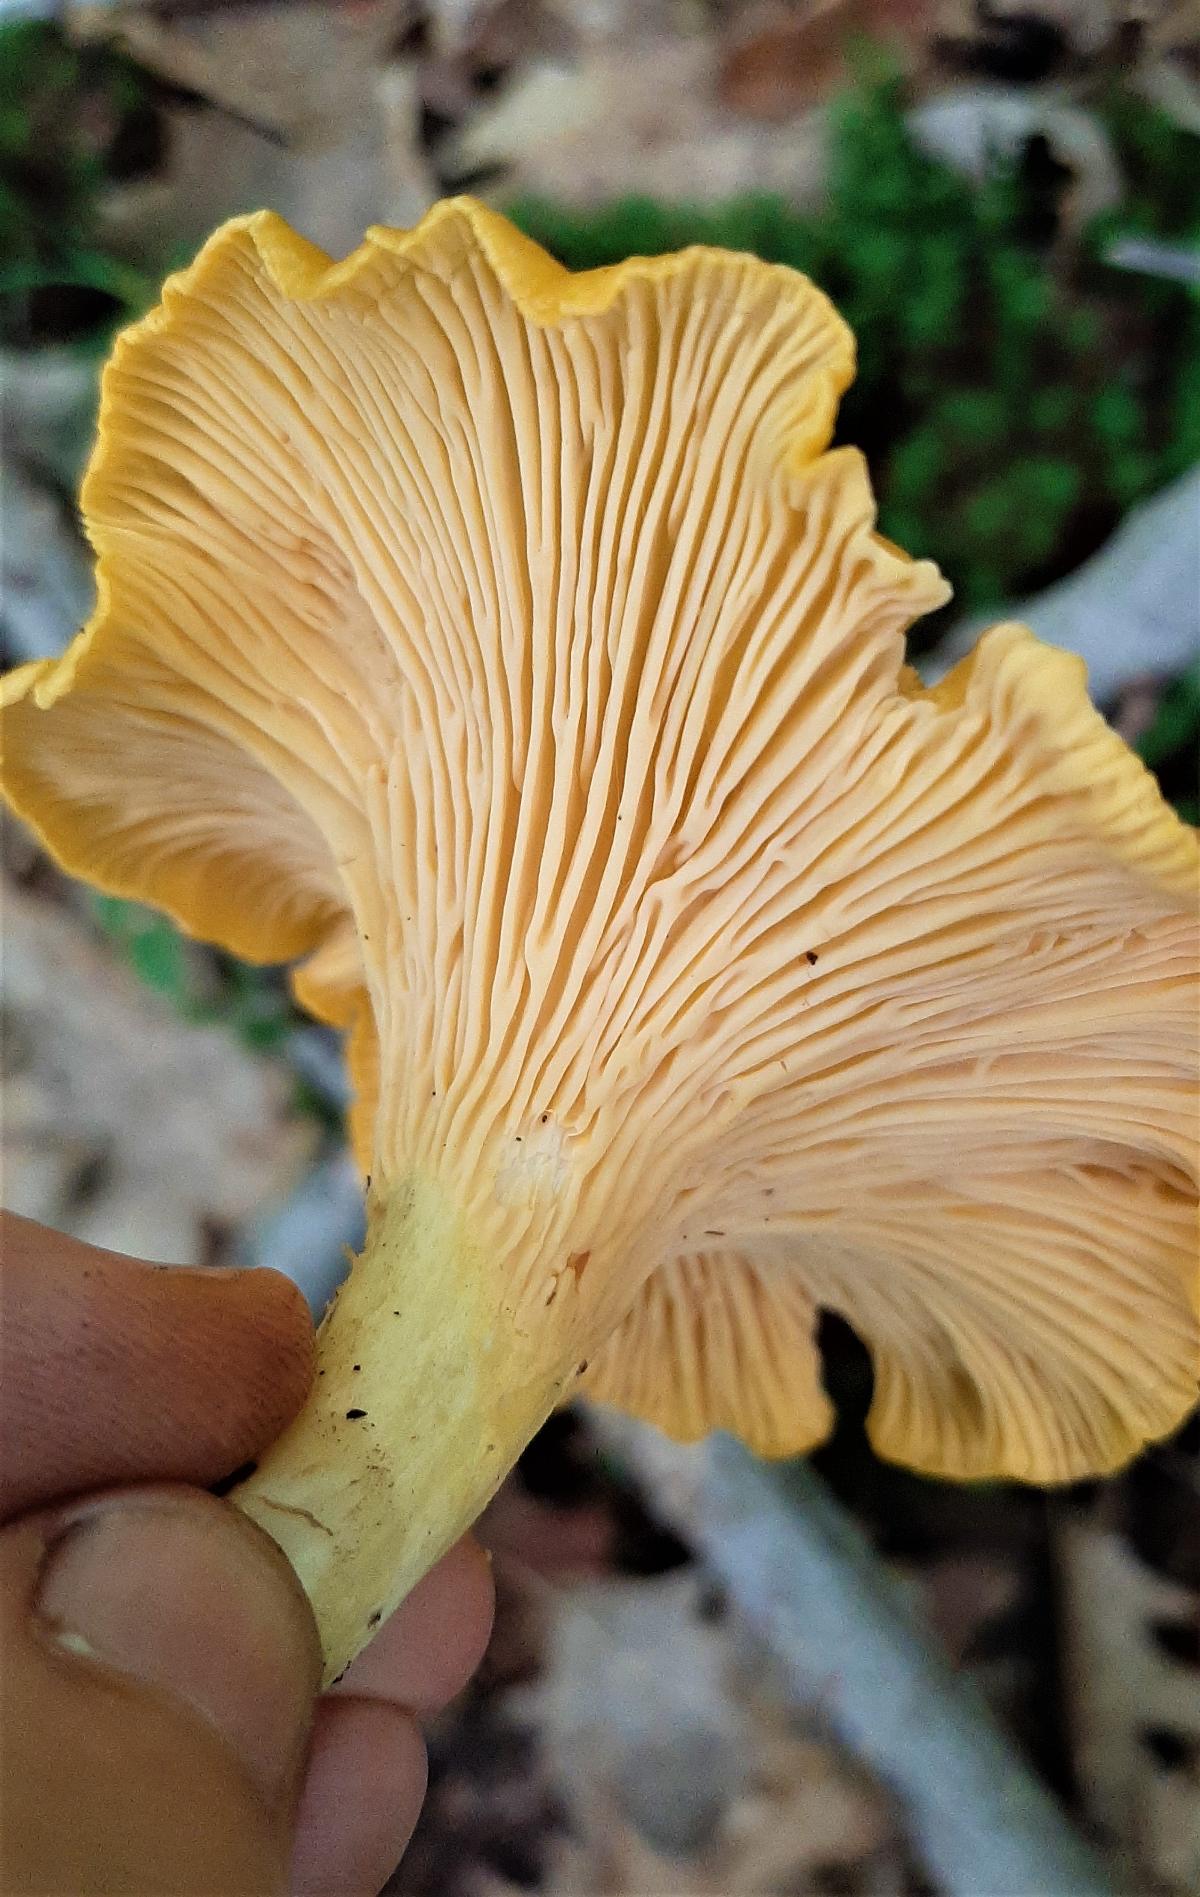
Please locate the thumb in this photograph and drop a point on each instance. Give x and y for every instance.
(160, 1672)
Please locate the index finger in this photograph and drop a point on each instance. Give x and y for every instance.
(113, 1370)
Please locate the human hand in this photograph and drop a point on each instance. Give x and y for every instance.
(160, 1730)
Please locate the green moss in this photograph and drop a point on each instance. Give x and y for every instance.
(201, 985)
(69, 118)
(1013, 403)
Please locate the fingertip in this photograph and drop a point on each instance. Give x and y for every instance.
(246, 1338)
(116, 1370)
(277, 1318)
(361, 1800)
(160, 1671)
(429, 1648)
(179, 1593)
(281, 1298)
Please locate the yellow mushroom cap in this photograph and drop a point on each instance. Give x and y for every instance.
(511, 644)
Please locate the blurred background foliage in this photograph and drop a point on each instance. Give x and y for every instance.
(1016, 393)
(74, 120)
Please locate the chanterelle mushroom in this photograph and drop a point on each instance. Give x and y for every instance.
(510, 645)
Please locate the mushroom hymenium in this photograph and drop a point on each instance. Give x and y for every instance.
(510, 646)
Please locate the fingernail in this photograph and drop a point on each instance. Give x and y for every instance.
(182, 1595)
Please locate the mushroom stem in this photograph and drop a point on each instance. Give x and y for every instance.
(424, 1397)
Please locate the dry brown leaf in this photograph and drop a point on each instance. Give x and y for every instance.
(123, 1124)
(313, 113)
(684, 1774)
(639, 114)
(782, 59)
(1127, 1699)
(294, 67)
